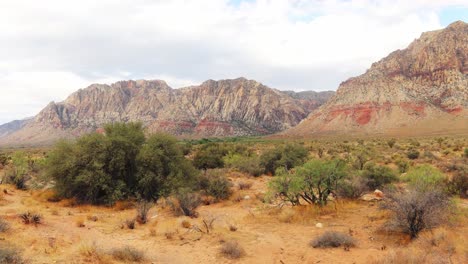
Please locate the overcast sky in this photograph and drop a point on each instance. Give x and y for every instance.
(50, 48)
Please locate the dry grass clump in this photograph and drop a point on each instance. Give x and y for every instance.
(232, 249)
(9, 255)
(333, 239)
(128, 254)
(130, 223)
(186, 224)
(4, 225)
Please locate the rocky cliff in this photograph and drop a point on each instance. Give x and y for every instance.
(215, 108)
(426, 82)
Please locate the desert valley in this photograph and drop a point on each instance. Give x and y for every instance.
(234, 171)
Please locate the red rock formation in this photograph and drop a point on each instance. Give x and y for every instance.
(426, 81)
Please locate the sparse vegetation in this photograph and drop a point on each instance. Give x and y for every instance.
(4, 225)
(215, 184)
(186, 202)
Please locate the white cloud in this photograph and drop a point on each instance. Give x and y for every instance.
(50, 48)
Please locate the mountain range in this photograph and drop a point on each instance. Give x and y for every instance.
(420, 90)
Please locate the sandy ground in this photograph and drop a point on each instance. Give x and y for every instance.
(268, 234)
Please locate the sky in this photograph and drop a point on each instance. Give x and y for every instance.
(51, 48)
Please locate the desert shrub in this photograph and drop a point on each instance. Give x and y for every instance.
(313, 182)
(143, 208)
(210, 156)
(416, 210)
(3, 159)
(403, 165)
(128, 254)
(466, 153)
(215, 184)
(391, 142)
(232, 249)
(287, 156)
(247, 164)
(360, 158)
(458, 184)
(187, 202)
(377, 175)
(4, 225)
(412, 154)
(333, 239)
(18, 173)
(424, 177)
(244, 185)
(353, 187)
(9, 255)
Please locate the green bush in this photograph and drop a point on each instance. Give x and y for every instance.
(17, 174)
(287, 156)
(210, 156)
(466, 153)
(3, 159)
(215, 184)
(377, 175)
(424, 177)
(412, 154)
(391, 142)
(246, 164)
(458, 184)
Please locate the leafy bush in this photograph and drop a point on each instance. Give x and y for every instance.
(215, 184)
(231, 249)
(287, 186)
(416, 210)
(377, 175)
(128, 254)
(424, 177)
(333, 239)
(412, 154)
(287, 156)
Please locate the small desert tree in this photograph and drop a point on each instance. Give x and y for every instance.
(287, 186)
(417, 210)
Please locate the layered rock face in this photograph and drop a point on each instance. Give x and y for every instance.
(214, 108)
(428, 81)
